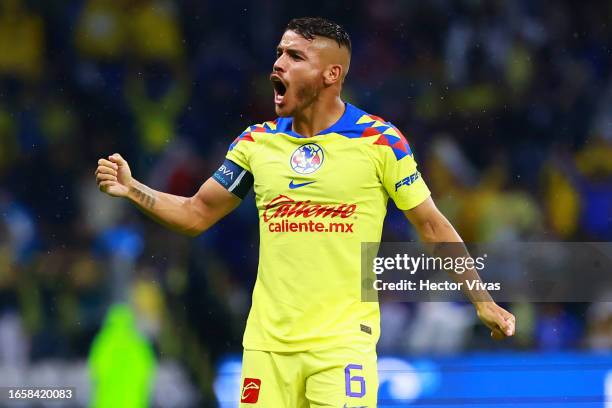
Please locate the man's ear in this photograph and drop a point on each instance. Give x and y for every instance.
(333, 74)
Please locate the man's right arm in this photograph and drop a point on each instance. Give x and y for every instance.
(188, 215)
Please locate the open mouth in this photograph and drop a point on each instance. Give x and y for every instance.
(279, 88)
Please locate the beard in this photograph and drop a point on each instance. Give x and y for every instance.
(304, 96)
(307, 95)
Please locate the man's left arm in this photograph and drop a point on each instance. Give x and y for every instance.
(432, 226)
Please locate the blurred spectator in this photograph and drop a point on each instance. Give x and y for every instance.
(13, 341)
(101, 32)
(155, 31)
(440, 327)
(157, 94)
(22, 41)
(121, 362)
(599, 323)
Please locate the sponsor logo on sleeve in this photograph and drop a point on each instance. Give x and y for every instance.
(407, 180)
(226, 172)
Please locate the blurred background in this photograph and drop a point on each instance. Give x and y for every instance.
(507, 104)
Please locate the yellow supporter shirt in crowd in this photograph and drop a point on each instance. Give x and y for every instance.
(318, 199)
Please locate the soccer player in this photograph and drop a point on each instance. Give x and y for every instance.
(322, 174)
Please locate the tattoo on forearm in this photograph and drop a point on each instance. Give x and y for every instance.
(144, 196)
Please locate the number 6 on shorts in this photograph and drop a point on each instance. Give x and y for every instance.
(354, 381)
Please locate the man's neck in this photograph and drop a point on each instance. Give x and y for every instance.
(318, 116)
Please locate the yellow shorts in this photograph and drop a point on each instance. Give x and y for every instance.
(340, 377)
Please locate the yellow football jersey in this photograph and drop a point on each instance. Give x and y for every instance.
(318, 199)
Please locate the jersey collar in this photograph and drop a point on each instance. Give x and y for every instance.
(347, 120)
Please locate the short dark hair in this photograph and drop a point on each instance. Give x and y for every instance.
(309, 27)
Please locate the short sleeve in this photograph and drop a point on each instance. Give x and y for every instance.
(239, 150)
(235, 173)
(400, 176)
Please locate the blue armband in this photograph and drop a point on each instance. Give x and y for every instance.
(234, 178)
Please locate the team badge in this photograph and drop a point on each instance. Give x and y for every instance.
(307, 158)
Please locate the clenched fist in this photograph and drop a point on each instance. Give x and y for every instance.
(114, 176)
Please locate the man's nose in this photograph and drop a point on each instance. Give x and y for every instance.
(279, 64)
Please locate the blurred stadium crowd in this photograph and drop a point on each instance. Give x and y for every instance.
(508, 105)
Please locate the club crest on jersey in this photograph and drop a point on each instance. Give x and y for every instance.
(307, 158)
